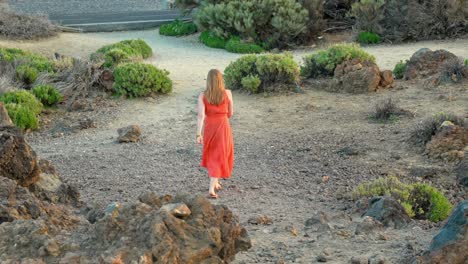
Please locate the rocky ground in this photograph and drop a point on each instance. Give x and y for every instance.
(297, 154)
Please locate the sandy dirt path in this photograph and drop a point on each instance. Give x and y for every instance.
(284, 146)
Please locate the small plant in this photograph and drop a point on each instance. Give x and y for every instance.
(47, 95)
(367, 37)
(269, 69)
(466, 62)
(23, 98)
(399, 70)
(429, 203)
(324, 62)
(421, 201)
(22, 116)
(115, 57)
(138, 79)
(178, 28)
(235, 45)
(386, 110)
(427, 128)
(453, 70)
(211, 40)
(123, 51)
(40, 63)
(26, 74)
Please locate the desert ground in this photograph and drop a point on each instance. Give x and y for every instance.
(284, 146)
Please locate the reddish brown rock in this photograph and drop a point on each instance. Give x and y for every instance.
(129, 134)
(425, 63)
(355, 76)
(4, 117)
(448, 143)
(386, 78)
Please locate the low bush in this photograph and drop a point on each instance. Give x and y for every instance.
(26, 74)
(235, 45)
(278, 69)
(178, 28)
(25, 26)
(421, 201)
(324, 62)
(123, 51)
(387, 111)
(211, 40)
(22, 116)
(47, 95)
(367, 37)
(23, 98)
(452, 70)
(429, 203)
(427, 128)
(138, 79)
(40, 63)
(466, 62)
(399, 70)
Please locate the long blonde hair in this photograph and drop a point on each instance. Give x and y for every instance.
(214, 92)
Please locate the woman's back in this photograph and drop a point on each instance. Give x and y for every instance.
(217, 110)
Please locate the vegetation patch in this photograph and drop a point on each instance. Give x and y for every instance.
(427, 128)
(123, 51)
(235, 45)
(25, 26)
(387, 111)
(178, 28)
(22, 116)
(47, 95)
(367, 37)
(257, 73)
(421, 201)
(212, 40)
(138, 79)
(23, 98)
(324, 62)
(399, 70)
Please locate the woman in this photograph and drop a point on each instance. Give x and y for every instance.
(215, 107)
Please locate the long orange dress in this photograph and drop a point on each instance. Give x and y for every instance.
(218, 144)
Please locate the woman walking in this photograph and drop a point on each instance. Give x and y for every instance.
(215, 107)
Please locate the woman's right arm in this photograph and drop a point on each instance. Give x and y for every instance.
(201, 117)
(231, 103)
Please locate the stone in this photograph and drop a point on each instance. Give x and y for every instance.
(318, 223)
(450, 245)
(356, 77)
(368, 226)
(180, 210)
(461, 172)
(426, 63)
(448, 143)
(378, 259)
(260, 220)
(359, 260)
(87, 123)
(79, 104)
(4, 117)
(386, 78)
(389, 212)
(17, 160)
(129, 134)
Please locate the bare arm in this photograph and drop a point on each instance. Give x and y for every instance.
(231, 103)
(201, 114)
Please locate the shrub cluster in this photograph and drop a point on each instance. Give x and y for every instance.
(324, 62)
(178, 28)
(22, 108)
(25, 26)
(399, 70)
(47, 95)
(367, 37)
(255, 73)
(138, 79)
(427, 128)
(235, 45)
(212, 40)
(123, 51)
(280, 22)
(28, 65)
(420, 201)
(386, 111)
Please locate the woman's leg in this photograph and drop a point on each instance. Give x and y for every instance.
(213, 183)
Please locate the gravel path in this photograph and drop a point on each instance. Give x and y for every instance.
(85, 6)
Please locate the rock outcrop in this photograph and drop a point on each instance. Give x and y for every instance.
(129, 134)
(388, 211)
(426, 63)
(448, 143)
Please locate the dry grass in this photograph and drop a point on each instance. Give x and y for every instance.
(22, 26)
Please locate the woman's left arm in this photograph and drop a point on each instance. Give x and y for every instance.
(231, 104)
(201, 118)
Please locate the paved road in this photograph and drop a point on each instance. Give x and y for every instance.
(117, 20)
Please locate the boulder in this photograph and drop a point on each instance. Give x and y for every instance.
(4, 117)
(355, 76)
(129, 134)
(388, 211)
(462, 172)
(386, 78)
(448, 143)
(368, 226)
(450, 245)
(426, 63)
(17, 160)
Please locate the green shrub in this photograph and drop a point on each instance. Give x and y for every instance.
(40, 63)
(429, 203)
(367, 37)
(47, 95)
(22, 116)
(235, 45)
(280, 21)
(138, 79)
(211, 40)
(387, 110)
(368, 14)
(420, 201)
(23, 98)
(178, 28)
(26, 74)
(251, 83)
(123, 51)
(427, 128)
(324, 62)
(466, 62)
(269, 69)
(399, 70)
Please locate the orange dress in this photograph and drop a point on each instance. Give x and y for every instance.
(218, 144)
